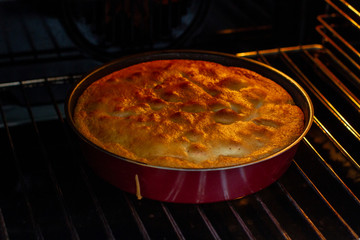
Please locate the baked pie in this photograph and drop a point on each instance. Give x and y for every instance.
(188, 114)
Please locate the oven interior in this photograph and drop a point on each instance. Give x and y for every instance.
(48, 192)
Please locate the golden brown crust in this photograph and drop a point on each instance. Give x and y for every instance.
(188, 114)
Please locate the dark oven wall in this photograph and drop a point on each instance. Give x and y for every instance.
(238, 26)
(48, 38)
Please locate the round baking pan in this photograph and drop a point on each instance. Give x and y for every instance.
(189, 185)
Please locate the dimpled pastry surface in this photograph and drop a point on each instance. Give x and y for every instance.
(188, 114)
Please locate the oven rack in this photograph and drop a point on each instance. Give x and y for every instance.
(341, 37)
(48, 192)
(349, 9)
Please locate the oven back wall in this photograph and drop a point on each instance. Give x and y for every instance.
(46, 38)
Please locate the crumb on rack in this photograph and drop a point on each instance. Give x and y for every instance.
(138, 192)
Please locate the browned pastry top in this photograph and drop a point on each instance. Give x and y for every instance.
(188, 114)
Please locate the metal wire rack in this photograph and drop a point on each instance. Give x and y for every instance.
(49, 193)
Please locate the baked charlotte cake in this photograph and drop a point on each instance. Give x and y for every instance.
(188, 114)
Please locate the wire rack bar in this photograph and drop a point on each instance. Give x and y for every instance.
(327, 203)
